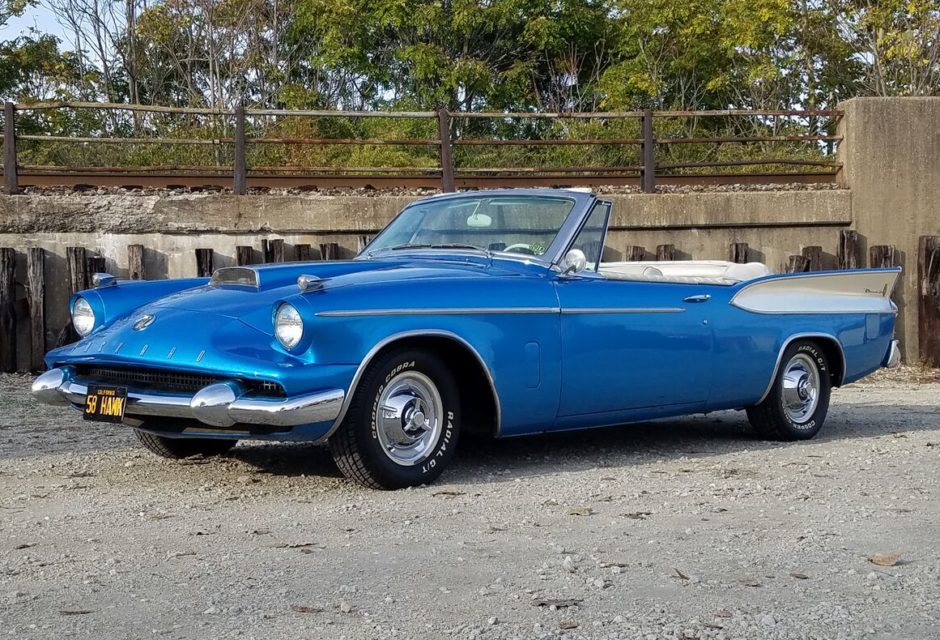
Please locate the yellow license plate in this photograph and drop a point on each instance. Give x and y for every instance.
(105, 404)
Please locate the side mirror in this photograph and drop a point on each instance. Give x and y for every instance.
(574, 262)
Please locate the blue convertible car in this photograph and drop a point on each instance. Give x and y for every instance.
(490, 310)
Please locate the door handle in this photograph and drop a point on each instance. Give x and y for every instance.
(702, 297)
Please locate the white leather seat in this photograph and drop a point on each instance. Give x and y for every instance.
(718, 272)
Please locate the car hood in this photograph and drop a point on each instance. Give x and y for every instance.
(253, 304)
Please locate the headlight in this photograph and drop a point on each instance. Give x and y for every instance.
(83, 318)
(288, 327)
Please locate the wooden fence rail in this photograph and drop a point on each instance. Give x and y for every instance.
(447, 173)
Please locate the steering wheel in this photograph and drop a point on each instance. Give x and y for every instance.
(520, 247)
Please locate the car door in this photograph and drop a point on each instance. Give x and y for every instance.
(629, 344)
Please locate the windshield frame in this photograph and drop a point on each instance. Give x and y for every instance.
(582, 203)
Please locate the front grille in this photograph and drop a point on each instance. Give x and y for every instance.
(167, 380)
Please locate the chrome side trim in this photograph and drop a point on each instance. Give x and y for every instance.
(613, 310)
(401, 336)
(783, 347)
(351, 313)
(465, 311)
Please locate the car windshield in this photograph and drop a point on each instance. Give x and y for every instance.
(525, 225)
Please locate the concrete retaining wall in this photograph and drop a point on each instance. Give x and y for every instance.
(775, 224)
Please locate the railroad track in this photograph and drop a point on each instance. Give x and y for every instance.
(154, 179)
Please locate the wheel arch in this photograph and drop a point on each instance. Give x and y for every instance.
(830, 346)
(473, 375)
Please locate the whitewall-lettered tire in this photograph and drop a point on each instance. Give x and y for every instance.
(796, 406)
(402, 425)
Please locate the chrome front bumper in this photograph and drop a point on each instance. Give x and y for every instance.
(223, 404)
(894, 355)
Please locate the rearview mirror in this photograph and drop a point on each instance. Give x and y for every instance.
(574, 262)
(479, 220)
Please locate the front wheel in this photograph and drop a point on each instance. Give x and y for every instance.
(798, 401)
(177, 448)
(402, 424)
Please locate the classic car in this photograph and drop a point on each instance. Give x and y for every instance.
(495, 311)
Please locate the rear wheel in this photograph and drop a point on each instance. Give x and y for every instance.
(176, 448)
(798, 401)
(402, 424)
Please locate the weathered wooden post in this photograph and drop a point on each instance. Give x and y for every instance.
(96, 264)
(240, 168)
(272, 250)
(738, 252)
(135, 261)
(813, 255)
(244, 254)
(848, 255)
(329, 251)
(649, 153)
(204, 259)
(797, 264)
(11, 182)
(7, 311)
(447, 158)
(928, 299)
(883, 255)
(36, 281)
(665, 252)
(635, 253)
(302, 253)
(76, 266)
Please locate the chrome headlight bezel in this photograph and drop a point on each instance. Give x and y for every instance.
(288, 326)
(83, 316)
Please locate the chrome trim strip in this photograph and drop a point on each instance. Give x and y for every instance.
(613, 310)
(350, 313)
(466, 311)
(401, 336)
(798, 336)
(58, 387)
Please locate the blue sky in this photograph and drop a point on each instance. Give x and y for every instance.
(34, 17)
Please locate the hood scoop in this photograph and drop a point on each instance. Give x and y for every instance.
(239, 276)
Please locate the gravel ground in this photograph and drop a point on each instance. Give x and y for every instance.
(678, 529)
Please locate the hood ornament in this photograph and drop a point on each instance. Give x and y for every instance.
(143, 322)
(310, 283)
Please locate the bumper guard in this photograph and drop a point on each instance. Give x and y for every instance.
(223, 404)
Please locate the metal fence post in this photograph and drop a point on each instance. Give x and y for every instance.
(649, 161)
(447, 159)
(241, 167)
(10, 177)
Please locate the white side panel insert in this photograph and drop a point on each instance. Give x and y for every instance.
(806, 293)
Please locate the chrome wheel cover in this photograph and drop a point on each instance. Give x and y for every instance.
(800, 394)
(409, 418)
